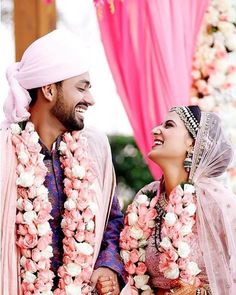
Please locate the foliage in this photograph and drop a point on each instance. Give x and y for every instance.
(131, 169)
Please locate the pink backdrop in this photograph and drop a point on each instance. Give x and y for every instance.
(149, 45)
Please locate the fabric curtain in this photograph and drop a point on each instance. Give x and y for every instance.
(149, 45)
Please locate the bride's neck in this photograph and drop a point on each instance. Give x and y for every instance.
(172, 177)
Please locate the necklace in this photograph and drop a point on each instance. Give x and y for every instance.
(160, 207)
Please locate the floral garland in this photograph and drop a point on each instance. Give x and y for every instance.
(214, 70)
(34, 234)
(140, 223)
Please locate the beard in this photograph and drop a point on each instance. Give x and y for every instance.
(66, 115)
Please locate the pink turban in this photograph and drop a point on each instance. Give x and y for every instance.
(54, 57)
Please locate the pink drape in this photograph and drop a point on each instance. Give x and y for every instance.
(149, 45)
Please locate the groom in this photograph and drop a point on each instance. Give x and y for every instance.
(60, 219)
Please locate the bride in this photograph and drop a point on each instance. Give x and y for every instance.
(180, 232)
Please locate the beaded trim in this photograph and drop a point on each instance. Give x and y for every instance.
(188, 118)
(199, 149)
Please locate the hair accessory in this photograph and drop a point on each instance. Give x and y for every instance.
(188, 118)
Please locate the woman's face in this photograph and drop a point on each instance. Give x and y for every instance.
(171, 141)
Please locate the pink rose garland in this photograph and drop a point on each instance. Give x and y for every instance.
(174, 246)
(34, 234)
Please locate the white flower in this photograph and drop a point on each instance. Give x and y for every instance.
(191, 209)
(47, 253)
(28, 206)
(142, 256)
(212, 16)
(15, 128)
(132, 218)
(28, 277)
(230, 42)
(78, 171)
(192, 268)
(93, 207)
(183, 249)
(62, 147)
(170, 218)
(42, 192)
(23, 157)
(221, 65)
(151, 223)
(34, 137)
(73, 289)
(231, 78)
(172, 273)
(19, 204)
(90, 225)
(226, 27)
(186, 229)
(142, 199)
(136, 233)
(207, 104)
(217, 79)
(165, 243)
(46, 293)
(26, 179)
(124, 255)
(70, 204)
(146, 289)
(29, 216)
(43, 228)
(22, 261)
(73, 269)
(141, 280)
(189, 188)
(84, 248)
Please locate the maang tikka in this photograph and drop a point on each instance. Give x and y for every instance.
(188, 161)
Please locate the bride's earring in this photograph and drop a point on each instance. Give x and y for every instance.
(188, 161)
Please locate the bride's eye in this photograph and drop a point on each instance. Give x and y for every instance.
(168, 125)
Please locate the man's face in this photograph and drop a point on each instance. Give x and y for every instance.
(73, 99)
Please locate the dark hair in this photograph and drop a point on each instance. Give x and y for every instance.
(196, 112)
(33, 93)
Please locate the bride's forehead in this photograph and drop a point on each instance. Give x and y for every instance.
(172, 116)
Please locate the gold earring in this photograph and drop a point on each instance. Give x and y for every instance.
(188, 161)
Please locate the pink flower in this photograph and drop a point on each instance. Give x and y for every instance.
(22, 230)
(178, 209)
(130, 267)
(89, 238)
(26, 253)
(76, 184)
(134, 256)
(42, 243)
(30, 266)
(29, 241)
(19, 218)
(151, 214)
(141, 268)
